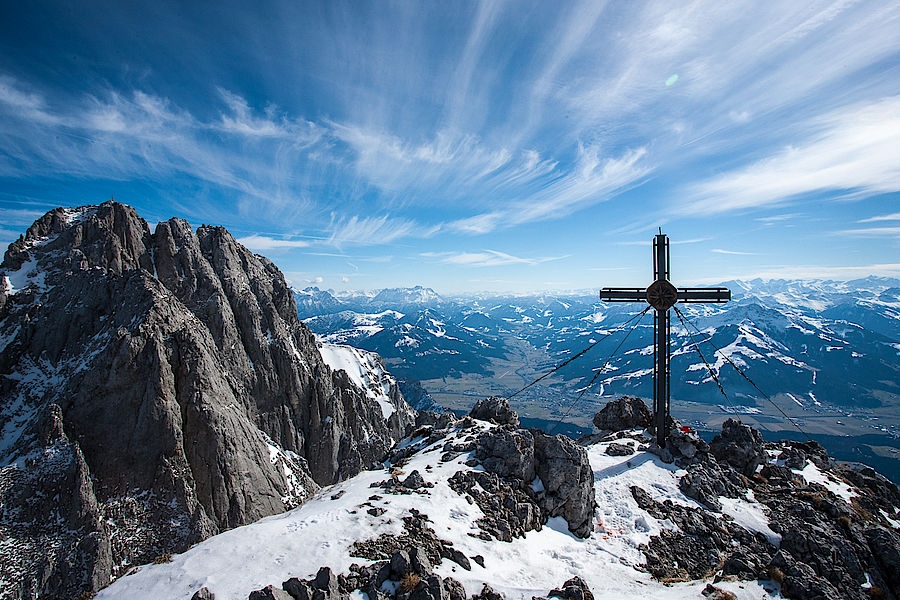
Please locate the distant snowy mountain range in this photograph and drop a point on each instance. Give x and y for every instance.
(817, 340)
(822, 350)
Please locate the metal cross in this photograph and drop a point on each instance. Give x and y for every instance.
(662, 296)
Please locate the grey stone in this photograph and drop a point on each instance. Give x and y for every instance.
(507, 453)
(487, 593)
(419, 562)
(573, 589)
(801, 581)
(400, 564)
(568, 480)
(455, 590)
(885, 546)
(496, 410)
(705, 481)
(451, 553)
(270, 592)
(298, 589)
(203, 594)
(616, 449)
(739, 445)
(327, 581)
(414, 481)
(625, 413)
(431, 588)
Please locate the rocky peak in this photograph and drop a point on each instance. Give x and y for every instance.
(182, 376)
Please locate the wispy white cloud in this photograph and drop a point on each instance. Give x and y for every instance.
(242, 120)
(649, 241)
(486, 258)
(263, 242)
(872, 232)
(20, 216)
(143, 136)
(890, 217)
(593, 178)
(854, 149)
(375, 230)
(778, 218)
(735, 252)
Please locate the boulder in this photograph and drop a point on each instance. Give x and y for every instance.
(487, 593)
(616, 449)
(683, 442)
(625, 413)
(496, 410)
(507, 453)
(705, 481)
(270, 592)
(430, 588)
(327, 582)
(400, 566)
(414, 481)
(298, 589)
(740, 446)
(573, 589)
(455, 590)
(419, 562)
(203, 594)
(568, 481)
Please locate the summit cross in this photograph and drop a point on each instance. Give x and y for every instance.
(662, 296)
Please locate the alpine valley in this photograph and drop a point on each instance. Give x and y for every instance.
(827, 353)
(170, 428)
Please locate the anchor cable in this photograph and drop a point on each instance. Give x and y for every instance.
(712, 373)
(580, 354)
(597, 374)
(747, 377)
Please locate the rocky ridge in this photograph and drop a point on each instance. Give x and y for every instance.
(161, 383)
(461, 510)
(831, 532)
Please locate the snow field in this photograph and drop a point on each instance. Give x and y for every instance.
(363, 370)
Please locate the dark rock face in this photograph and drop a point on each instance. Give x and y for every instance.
(517, 456)
(705, 481)
(203, 594)
(52, 514)
(625, 413)
(180, 369)
(573, 589)
(615, 449)
(509, 510)
(507, 453)
(568, 481)
(828, 547)
(702, 543)
(496, 410)
(740, 446)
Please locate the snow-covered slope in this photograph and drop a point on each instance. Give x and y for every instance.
(366, 370)
(323, 531)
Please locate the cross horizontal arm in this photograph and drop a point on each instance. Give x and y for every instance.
(694, 295)
(623, 294)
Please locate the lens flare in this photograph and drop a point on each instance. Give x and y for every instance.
(672, 79)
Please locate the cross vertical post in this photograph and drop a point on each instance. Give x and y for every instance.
(661, 342)
(662, 296)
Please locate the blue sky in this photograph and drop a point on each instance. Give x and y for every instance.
(470, 145)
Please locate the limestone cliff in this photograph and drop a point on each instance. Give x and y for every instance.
(183, 394)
